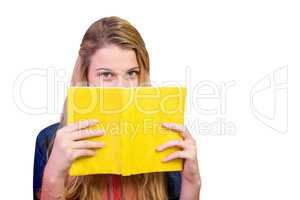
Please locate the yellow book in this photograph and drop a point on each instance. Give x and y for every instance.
(131, 118)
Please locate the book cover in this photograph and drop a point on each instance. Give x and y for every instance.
(131, 118)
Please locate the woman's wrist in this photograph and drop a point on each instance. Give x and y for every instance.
(190, 190)
(53, 185)
(53, 173)
(196, 181)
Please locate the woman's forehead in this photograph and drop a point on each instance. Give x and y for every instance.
(113, 58)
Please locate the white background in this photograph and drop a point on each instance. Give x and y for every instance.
(249, 152)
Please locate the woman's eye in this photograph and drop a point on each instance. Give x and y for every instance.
(133, 74)
(106, 75)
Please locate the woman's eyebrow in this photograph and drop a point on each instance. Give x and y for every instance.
(102, 68)
(133, 68)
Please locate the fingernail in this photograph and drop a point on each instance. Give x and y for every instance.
(165, 124)
(158, 149)
(101, 144)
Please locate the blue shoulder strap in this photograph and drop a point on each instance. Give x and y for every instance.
(173, 185)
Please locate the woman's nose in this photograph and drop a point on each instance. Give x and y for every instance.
(123, 82)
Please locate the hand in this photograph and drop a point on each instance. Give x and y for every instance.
(190, 173)
(68, 145)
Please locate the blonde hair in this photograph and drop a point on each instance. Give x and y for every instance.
(116, 31)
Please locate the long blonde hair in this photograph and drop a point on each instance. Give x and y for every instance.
(116, 31)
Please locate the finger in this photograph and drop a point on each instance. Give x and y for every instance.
(177, 128)
(86, 144)
(172, 143)
(82, 152)
(80, 125)
(176, 155)
(83, 134)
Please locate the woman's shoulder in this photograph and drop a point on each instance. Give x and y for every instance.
(43, 140)
(45, 136)
(48, 131)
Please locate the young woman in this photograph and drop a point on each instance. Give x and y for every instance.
(112, 53)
